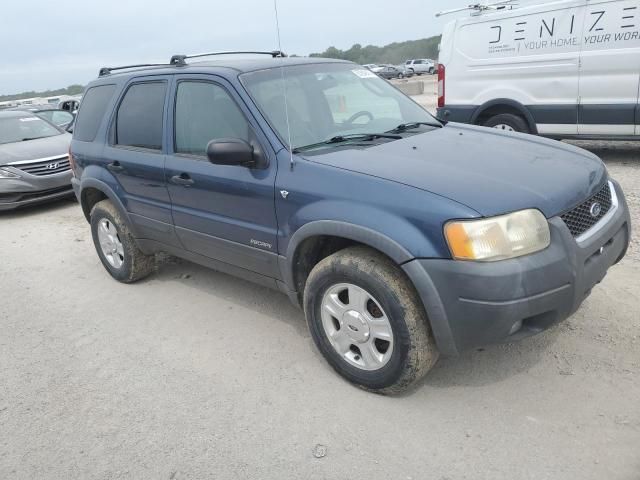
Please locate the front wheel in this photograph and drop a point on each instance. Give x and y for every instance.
(366, 319)
(508, 122)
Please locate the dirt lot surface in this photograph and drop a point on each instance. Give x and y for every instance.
(195, 374)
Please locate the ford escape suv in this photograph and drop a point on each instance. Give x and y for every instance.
(401, 237)
(34, 161)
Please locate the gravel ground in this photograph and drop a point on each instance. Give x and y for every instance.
(194, 374)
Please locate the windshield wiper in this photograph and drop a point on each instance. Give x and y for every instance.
(365, 137)
(411, 125)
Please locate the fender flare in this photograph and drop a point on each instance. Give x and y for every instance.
(349, 231)
(110, 194)
(510, 103)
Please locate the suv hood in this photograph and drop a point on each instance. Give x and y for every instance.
(56, 146)
(487, 170)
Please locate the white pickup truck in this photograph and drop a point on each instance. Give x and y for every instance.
(420, 66)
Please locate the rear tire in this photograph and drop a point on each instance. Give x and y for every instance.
(382, 341)
(508, 122)
(116, 246)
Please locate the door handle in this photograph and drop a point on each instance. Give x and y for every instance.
(183, 179)
(115, 167)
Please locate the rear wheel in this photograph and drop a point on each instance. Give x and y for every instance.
(115, 245)
(368, 322)
(508, 122)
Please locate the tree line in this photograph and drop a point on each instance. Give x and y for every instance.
(70, 90)
(394, 53)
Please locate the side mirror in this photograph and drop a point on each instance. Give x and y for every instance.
(232, 151)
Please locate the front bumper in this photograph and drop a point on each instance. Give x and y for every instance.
(30, 189)
(471, 304)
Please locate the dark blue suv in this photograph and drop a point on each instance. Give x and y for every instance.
(400, 236)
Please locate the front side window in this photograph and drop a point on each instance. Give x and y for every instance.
(205, 111)
(139, 118)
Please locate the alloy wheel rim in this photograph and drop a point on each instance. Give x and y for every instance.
(110, 243)
(357, 327)
(505, 127)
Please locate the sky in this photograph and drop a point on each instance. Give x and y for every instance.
(47, 45)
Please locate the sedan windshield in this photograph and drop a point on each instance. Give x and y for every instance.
(330, 100)
(24, 128)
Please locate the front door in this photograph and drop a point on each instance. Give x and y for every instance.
(222, 212)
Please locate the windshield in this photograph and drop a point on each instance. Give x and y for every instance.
(20, 129)
(325, 101)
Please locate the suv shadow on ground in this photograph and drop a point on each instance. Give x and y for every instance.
(480, 367)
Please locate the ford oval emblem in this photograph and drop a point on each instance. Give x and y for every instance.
(595, 210)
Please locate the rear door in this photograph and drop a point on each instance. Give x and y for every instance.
(609, 69)
(222, 212)
(135, 156)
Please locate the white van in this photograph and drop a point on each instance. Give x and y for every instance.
(562, 69)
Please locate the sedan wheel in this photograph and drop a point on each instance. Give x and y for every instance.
(505, 127)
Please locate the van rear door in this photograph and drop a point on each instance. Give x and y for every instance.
(609, 68)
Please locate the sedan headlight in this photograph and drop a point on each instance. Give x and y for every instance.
(498, 238)
(4, 173)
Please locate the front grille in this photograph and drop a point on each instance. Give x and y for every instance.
(580, 219)
(46, 167)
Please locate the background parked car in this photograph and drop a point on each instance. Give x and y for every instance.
(34, 160)
(421, 66)
(390, 72)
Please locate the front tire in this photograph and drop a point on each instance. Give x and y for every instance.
(116, 246)
(508, 122)
(366, 319)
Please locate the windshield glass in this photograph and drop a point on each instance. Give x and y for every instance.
(20, 129)
(329, 100)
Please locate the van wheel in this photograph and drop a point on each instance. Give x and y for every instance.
(116, 246)
(508, 122)
(366, 319)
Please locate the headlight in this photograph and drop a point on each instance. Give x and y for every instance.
(7, 174)
(498, 238)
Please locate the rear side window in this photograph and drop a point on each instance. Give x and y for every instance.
(139, 118)
(93, 107)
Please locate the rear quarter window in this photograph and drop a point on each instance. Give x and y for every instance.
(92, 110)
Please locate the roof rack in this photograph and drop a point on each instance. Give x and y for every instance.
(107, 70)
(479, 8)
(179, 60)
